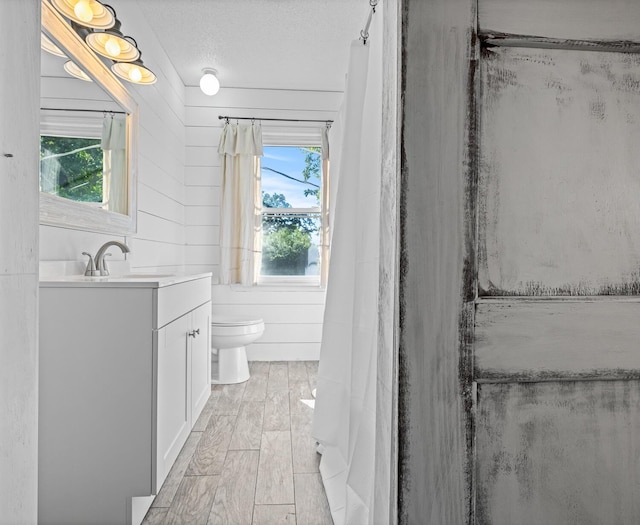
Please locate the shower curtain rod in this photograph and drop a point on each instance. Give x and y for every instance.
(86, 110)
(224, 117)
(364, 34)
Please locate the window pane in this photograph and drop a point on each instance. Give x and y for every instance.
(71, 167)
(291, 176)
(290, 244)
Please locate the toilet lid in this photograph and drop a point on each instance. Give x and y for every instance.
(229, 320)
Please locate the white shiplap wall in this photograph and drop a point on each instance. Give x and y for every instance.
(292, 315)
(159, 241)
(19, 42)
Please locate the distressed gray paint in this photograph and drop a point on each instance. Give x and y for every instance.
(559, 175)
(557, 453)
(437, 43)
(437, 285)
(557, 217)
(575, 19)
(529, 340)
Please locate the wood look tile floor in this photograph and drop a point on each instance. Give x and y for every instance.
(250, 459)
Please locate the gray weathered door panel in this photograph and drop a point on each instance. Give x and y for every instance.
(559, 172)
(558, 453)
(541, 339)
(558, 396)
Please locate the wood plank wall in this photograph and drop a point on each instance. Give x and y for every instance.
(434, 373)
(19, 122)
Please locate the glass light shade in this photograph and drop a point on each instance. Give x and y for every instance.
(112, 45)
(134, 72)
(88, 13)
(73, 69)
(209, 83)
(50, 47)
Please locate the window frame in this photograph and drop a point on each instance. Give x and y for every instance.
(296, 137)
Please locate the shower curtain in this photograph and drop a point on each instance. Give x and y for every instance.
(345, 410)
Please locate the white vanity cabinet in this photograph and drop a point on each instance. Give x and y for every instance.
(124, 374)
(183, 389)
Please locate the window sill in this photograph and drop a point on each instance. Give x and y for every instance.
(304, 280)
(279, 285)
(293, 281)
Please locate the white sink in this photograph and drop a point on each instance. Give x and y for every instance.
(141, 276)
(124, 280)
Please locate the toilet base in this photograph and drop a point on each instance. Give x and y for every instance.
(232, 366)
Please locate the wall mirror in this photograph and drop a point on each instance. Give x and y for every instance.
(88, 136)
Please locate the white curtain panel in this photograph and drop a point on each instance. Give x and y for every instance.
(326, 209)
(114, 184)
(345, 410)
(240, 149)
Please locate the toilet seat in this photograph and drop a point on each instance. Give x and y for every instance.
(228, 320)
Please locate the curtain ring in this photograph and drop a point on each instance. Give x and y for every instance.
(226, 120)
(364, 35)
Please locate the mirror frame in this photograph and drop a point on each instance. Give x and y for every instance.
(65, 213)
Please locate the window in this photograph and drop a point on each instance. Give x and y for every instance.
(293, 219)
(83, 158)
(71, 167)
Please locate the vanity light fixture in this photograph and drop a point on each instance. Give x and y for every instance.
(111, 43)
(72, 68)
(134, 72)
(209, 83)
(50, 47)
(97, 25)
(89, 13)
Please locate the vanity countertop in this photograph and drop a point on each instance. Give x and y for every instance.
(130, 280)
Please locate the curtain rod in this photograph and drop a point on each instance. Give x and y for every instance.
(364, 34)
(224, 117)
(86, 110)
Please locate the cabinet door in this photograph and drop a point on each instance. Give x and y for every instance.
(200, 360)
(173, 396)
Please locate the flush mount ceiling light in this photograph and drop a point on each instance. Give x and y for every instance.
(89, 13)
(209, 83)
(73, 69)
(134, 72)
(49, 46)
(111, 43)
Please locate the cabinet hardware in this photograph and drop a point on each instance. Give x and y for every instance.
(194, 333)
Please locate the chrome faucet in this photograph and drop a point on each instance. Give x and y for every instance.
(98, 266)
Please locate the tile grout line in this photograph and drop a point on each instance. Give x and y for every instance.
(293, 475)
(255, 483)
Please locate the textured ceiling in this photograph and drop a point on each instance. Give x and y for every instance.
(280, 44)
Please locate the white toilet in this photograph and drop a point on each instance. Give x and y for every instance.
(229, 337)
